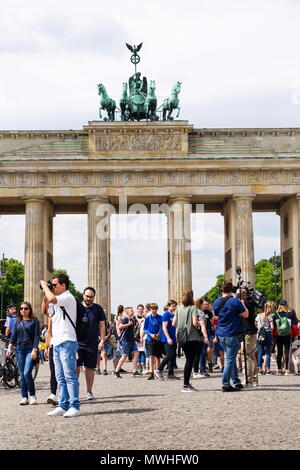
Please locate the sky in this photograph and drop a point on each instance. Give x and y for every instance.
(238, 64)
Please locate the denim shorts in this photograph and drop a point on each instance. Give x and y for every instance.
(128, 347)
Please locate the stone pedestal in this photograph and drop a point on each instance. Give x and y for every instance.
(179, 246)
(239, 247)
(289, 212)
(99, 250)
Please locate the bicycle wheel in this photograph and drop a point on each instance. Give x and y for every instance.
(10, 375)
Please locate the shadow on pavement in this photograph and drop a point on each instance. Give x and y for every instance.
(132, 411)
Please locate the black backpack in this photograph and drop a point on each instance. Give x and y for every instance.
(261, 336)
(82, 326)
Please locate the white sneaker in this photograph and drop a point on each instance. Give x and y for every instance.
(57, 412)
(196, 375)
(52, 400)
(32, 400)
(24, 401)
(90, 396)
(72, 413)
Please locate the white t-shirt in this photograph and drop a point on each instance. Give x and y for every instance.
(62, 329)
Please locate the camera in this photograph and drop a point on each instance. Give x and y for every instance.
(50, 286)
(253, 295)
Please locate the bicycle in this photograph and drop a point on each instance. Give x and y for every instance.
(10, 372)
(8, 366)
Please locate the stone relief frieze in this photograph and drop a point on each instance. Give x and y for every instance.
(154, 178)
(137, 143)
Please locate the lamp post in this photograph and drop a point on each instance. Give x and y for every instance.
(2, 277)
(275, 274)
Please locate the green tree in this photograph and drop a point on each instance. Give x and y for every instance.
(78, 295)
(215, 291)
(12, 286)
(264, 280)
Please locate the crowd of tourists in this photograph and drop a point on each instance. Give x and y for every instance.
(229, 335)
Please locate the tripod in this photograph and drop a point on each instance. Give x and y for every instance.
(240, 282)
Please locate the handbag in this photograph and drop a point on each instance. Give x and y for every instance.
(182, 334)
(112, 341)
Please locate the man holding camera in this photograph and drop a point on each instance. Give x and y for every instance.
(64, 344)
(230, 312)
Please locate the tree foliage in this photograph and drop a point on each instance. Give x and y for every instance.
(264, 280)
(12, 286)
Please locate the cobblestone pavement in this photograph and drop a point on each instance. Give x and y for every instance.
(134, 413)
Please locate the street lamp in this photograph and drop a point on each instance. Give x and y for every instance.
(2, 277)
(275, 274)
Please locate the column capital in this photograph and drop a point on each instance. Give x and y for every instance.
(101, 199)
(241, 197)
(178, 199)
(34, 199)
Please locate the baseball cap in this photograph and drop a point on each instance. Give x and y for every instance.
(10, 306)
(283, 302)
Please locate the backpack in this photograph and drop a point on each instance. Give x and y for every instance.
(261, 335)
(283, 325)
(137, 335)
(82, 326)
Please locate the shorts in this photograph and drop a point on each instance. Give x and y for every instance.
(154, 348)
(87, 358)
(219, 346)
(107, 348)
(128, 347)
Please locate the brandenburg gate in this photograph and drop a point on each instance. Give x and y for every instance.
(231, 171)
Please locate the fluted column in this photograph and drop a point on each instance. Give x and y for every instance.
(289, 212)
(244, 245)
(179, 246)
(99, 250)
(239, 246)
(34, 252)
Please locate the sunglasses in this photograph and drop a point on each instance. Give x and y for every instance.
(24, 308)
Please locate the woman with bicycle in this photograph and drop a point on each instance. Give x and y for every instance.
(25, 337)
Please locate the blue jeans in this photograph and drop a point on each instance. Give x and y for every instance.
(265, 349)
(231, 346)
(25, 364)
(65, 371)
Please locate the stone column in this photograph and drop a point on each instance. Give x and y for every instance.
(179, 246)
(34, 253)
(289, 212)
(99, 250)
(239, 246)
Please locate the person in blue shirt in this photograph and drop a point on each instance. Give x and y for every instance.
(169, 340)
(10, 319)
(230, 312)
(153, 344)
